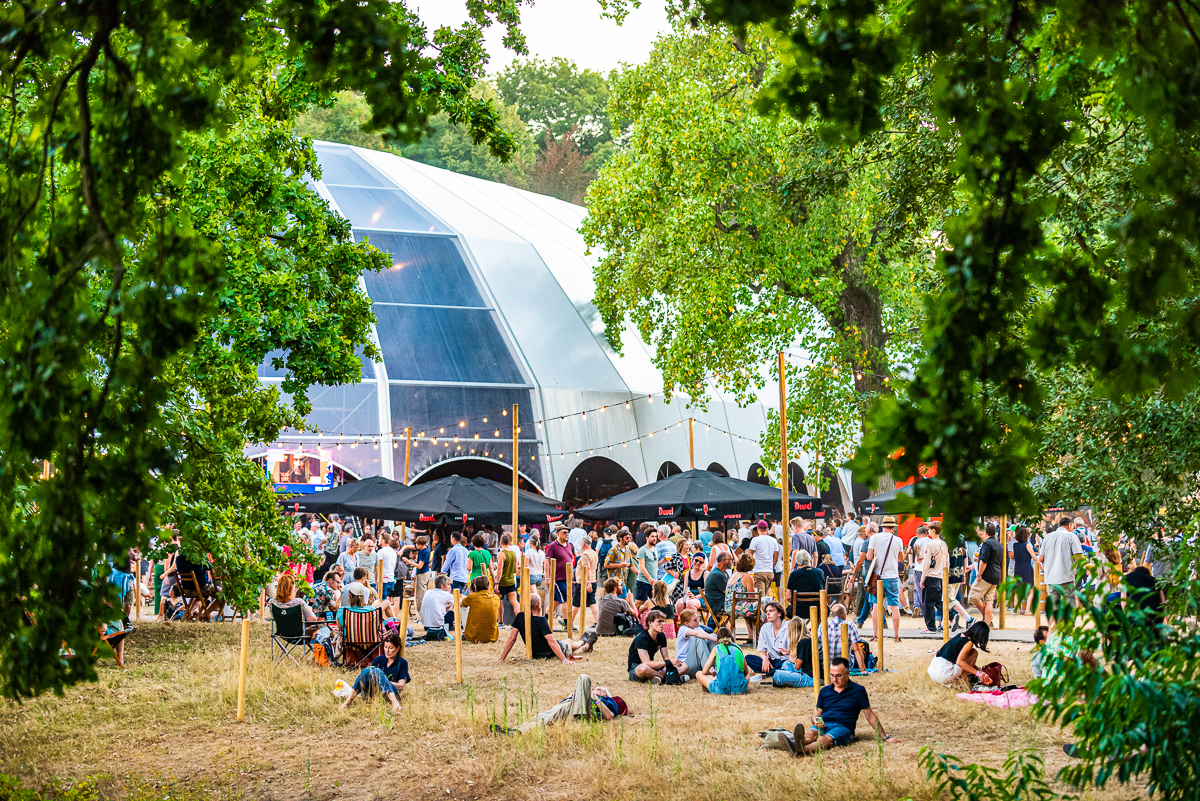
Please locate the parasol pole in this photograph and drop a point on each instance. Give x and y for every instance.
(1003, 565)
(407, 450)
(783, 472)
(692, 459)
(514, 476)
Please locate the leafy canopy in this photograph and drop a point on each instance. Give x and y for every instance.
(155, 239)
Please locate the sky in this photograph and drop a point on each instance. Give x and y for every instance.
(572, 29)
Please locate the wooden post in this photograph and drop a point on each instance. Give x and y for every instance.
(528, 610)
(845, 640)
(457, 638)
(403, 622)
(550, 607)
(691, 444)
(814, 623)
(1003, 565)
(571, 601)
(881, 632)
(1037, 586)
(379, 578)
(262, 606)
(242, 668)
(784, 478)
(945, 604)
(824, 612)
(407, 450)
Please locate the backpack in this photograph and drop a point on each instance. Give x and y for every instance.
(671, 675)
(731, 665)
(624, 624)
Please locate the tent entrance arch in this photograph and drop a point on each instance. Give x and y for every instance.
(595, 479)
(476, 467)
(666, 469)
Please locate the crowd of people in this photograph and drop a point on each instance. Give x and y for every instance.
(667, 591)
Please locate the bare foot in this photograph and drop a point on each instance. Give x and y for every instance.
(395, 707)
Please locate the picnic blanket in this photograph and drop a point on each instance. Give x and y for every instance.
(1011, 699)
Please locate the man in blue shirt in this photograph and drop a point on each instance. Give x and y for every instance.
(838, 707)
(455, 563)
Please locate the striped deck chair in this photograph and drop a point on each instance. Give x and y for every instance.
(362, 638)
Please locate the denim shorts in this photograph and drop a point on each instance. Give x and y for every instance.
(891, 592)
(839, 734)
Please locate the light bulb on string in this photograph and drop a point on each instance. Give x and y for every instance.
(485, 419)
(585, 415)
(504, 412)
(626, 404)
(603, 408)
(497, 433)
(649, 399)
(463, 424)
(441, 430)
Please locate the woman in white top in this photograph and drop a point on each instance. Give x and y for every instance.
(692, 643)
(719, 546)
(535, 558)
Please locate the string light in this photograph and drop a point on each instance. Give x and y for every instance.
(485, 419)
(626, 404)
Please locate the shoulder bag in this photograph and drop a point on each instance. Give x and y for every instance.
(873, 579)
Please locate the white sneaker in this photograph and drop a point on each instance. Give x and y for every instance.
(656, 680)
(755, 679)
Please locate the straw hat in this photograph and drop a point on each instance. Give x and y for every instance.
(889, 521)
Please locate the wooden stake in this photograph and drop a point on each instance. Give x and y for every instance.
(550, 607)
(528, 609)
(945, 604)
(785, 479)
(814, 622)
(242, 668)
(457, 638)
(570, 601)
(403, 622)
(881, 633)
(824, 611)
(407, 450)
(1003, 565)
(137, 590)
(845, 640)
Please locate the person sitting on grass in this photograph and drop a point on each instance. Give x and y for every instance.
(956, 658)
(797, 670)
(544, 644)
(611, 606)
(772, 641)
(386, 675)
(436, 609)
(172, 608)
(642, 665)
(838, 708)
(1039, 651)
(693, 643)
(725, 671)
(482, 625)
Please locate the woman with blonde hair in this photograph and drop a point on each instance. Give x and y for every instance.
(692, 643)
(349, 559)
(797, 670)
(660, 601)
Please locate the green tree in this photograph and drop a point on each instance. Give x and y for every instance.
(1035, 96)
(555, 98)
(444, 144)
(728, 236)
(112, 273)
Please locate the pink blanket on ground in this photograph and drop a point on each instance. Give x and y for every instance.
(1009, 700)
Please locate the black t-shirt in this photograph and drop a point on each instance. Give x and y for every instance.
(805, 655)
(541, 630)
(822, 550)
(990, 556)
(952, 649)
(841, 709)
(805, 579)
(183, 566)
(1143, 591)
(398, 670)
(647, 643)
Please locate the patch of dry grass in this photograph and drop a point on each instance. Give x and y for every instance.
(169, 721)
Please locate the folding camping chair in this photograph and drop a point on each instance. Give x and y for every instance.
(290, 631)
(189, 592)
(361, 637)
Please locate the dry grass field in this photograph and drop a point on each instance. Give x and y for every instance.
(166, 726)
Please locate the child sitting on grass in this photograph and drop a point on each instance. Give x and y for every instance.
(1039, 650)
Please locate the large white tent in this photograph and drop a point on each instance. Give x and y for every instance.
(488, 303)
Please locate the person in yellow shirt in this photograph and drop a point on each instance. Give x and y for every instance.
(485, 606)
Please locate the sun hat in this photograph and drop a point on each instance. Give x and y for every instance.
(889, 521)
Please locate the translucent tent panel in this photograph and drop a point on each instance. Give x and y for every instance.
(422, 343)
(387, 209)
(426, 408)
(427, 270)
(267, 370)
(350, 409)
(341, 165)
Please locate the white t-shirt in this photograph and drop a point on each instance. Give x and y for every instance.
(887, 548)
(1058, 549)
(536, 560)
(919, 544)
(387, 556)
(575, 538)
(434, 606)
(764, 547)
(743, 532)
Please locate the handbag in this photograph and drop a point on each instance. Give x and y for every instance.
(997, 673)
(873, 579)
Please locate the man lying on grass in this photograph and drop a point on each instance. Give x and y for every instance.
(838, 707)
(544, 644)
